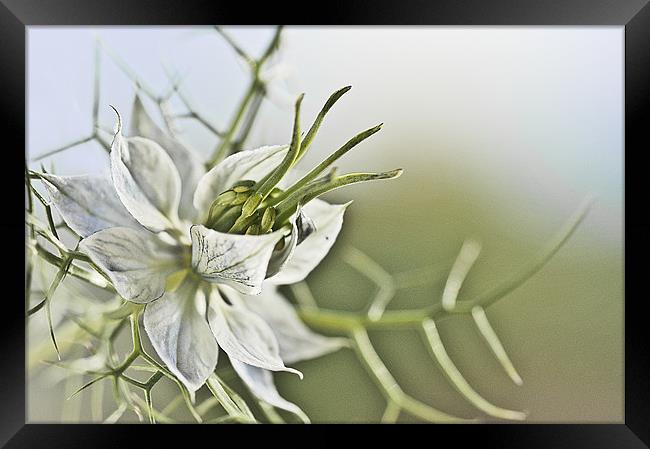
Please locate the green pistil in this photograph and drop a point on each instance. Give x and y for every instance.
(327, 162)
(326, 184)
(258, 208)
(319, 119)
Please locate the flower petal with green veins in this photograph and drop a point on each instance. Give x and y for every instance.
(189, 165)
(236, 260)
(179, 332)
(260, 382)
(243, 335)
(135, 260)
(146, 181)
(87, 203)
(246, 165)
(328, 219)
(297, 342)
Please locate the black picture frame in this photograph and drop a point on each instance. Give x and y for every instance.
(634, 15)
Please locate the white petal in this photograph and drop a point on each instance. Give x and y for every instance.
(260, 382)
(179, 332)
(146, 181)
(243, 335)
(328, 219)
(297, 342)
(252, 165)
(236, 260)
(87, 203)
(136, 261)
(189, 165)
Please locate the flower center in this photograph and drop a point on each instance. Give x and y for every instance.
(256, 208)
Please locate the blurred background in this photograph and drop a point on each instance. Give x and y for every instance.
(501, 131)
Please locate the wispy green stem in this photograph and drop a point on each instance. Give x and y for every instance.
(48, 300)
(491, 338)
(389, 386)
(256, 83)
(227, 401)
(240, 51)
(467, 255)
(372, 270)
(391, 414)
(532, 267)
(222, 149)
(64, 148)
(303, 295)
(342, 321)
(438, 351)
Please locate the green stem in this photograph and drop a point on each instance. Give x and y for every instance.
(64, 148)
(391, 413)
(345, 322)
(224, 144)
(256, 83)
(227, 402)
(389, 386)
(240, 51)
(492, 340)
(88, 276)
(385, 283)
(273, 45)
(437, 350)
(270, 413)
(380, 374)
(532, 267)
(247, 126)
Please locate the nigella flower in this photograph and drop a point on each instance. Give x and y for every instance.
(205, 251)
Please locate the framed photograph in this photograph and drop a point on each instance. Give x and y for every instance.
(419, 215)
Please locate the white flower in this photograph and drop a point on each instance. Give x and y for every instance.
(203, 289)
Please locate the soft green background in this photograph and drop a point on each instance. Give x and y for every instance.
(501, 133)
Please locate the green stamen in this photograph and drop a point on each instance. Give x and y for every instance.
(253, 229)
(226, 219)
(243, 223)
(268, 219)
(265, 188)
